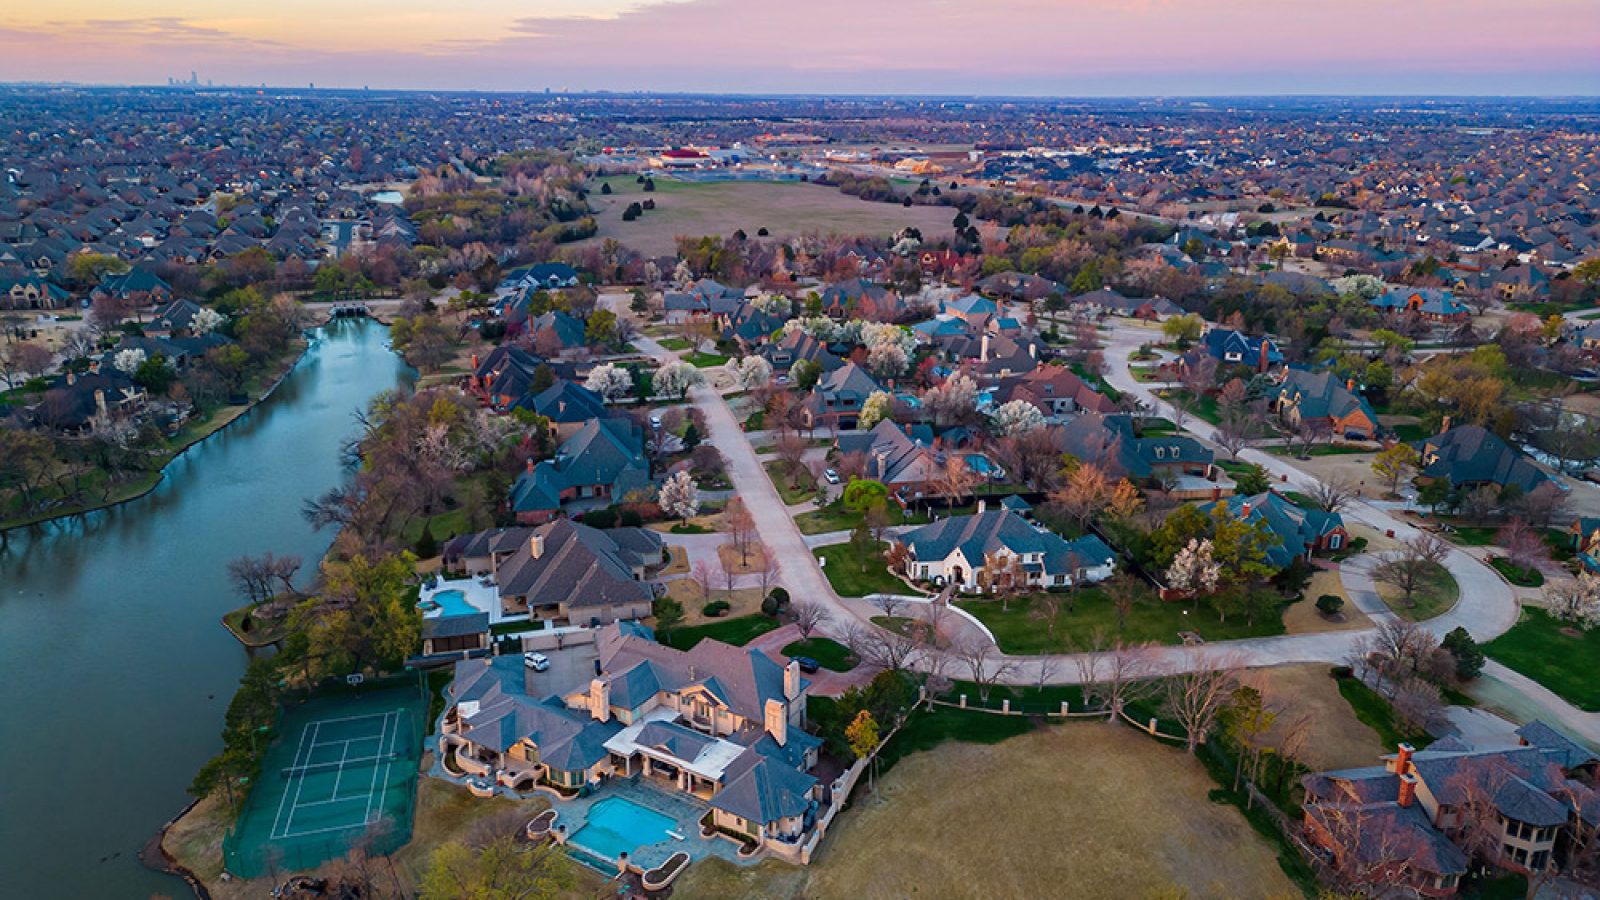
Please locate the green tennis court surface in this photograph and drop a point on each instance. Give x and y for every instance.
(341, 774)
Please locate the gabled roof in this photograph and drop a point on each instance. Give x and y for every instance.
(977, 536)
(576, 564)
(741, 678)
(1324, 395)
(1296, 528)
(607, 451)
(565, 401)
(1471, 454)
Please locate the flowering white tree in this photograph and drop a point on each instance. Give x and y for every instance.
(679, 496)
(611, 382)
(1364, 286)
(206, 321)
(953, 400)
(751, 372)
(887, 361)
(820, 327)
(878, 406)
(1576, 601)
(874, 334)
(128, 361)
(774, 305)
(676, 378)
(1193, 569)
(1017, 417)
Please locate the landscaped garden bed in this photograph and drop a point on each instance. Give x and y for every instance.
(1529, 577)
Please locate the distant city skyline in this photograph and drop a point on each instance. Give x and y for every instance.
(994, 47)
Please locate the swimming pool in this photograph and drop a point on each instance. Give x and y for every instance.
(448, 603)
(617, 825)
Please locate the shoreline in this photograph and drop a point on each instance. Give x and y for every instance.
(157, 858)
(228, 416)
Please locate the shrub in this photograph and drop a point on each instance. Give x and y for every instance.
(601, 518)
(715, 608)
(770, 606)
(1468, 655)
(1342, 672)
(780, 595)
(630, 518)
(1330, 604)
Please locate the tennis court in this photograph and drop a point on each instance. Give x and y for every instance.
(341, 774)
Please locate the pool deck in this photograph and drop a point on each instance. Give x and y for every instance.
(480, 596)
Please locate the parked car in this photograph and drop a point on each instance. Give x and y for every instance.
(807, 664)
(655, 422)
(536, 661)
(831, 475)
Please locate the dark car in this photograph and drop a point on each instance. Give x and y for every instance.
(807, 664)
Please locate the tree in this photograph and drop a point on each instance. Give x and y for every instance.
(1244, 722)
(862, 494)
(985, 667)
(1524, 547)
(1469, 657)
(128, 361)
(1183, 330)
(887, 361)
(27, 359)
(602, 329)
(1193, 570)
(804, 373)
(862, 735)
(611, 382)
(741, 528)
(668, 613)
(680, 496)
(1251, 480)
(1333, 494)
(878, 406)
(953, 401)
(1086, 492)
(1417, 705)
(808, 614)
(676, 378)
(1195, 699)
(751, 372)
(1017, 417)
(1409, 567)
(501, 869)
(1396, 464)
(1576, 601)
(956, 480)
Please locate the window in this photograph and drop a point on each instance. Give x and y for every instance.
(1334, 541)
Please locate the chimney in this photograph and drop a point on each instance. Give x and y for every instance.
(536, 544)
(791, 680)
(1033, 350)
(474, 362)
(1263, 354)
(1402, 760)
(982, 505)
(72, 378)
(94, 367)
(1244, 511)
(983, 348)
(1350, 384)
(777, 721)
(600, 699)
(1408, 789)
(530, 465)
(100, 402)
(1444, 425)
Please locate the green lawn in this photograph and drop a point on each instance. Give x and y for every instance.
(737, 631)
(508, 628)
(852, 576)
(1471, 535)
(1375, 712)
(925, 730)
(1515, 574)
(896, 624)
(1542, 648)
(1413, 432)
(1020, 631)
(675, 344)
(1322, 450)
(1438, 593)
(705, 360)
(828, 653)
(443, 526)
(790, 494)
(834, 517)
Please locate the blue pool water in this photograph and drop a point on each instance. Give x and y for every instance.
(978, 463)
(616, 825)
(451, 603)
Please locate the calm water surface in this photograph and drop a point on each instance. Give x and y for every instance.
(114, 669)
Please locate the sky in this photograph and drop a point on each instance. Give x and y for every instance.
(989, 47)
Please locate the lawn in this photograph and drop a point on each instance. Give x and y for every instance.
(1127, 818)
(1530, 577)
(834, 517)
(1437, 594)
(705, 360)
(736, 631)
(1374, 711)
(443, 526)
(828, 653)
(776, 470)
(675, 344)
(1020, 631)
(852, 576)
(1337, 737)
(1471, 535)
(1552, 653)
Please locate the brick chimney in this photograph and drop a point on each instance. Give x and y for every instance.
(1408, 789)
(1263, 366)
(530, 465)
(776, 716)
(72, 378)
(982, 505)
(1444, 425)
(1244, 511)
(1402, 759)
(1350, 384)
(100, 403)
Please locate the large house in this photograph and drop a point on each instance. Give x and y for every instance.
(561, 572)
(31, 292)
(1429, 304)
(835, 401)
(1407, 814)
(1235, 348)
(597, 466)
(567, 405)
(720, 724)
(998, 549)
(1301, 532)
(704, 299)
(1323, 400)
(907, 464)
(1470, 456)
(1056, 390)
(1180, 463)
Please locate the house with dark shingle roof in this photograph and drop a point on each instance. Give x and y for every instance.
(998, 549)
(1469, 456)
(567, 404)
(835, 400)
(1302, 532)
(596, 467)
(1325, 401)
(1180, 462)
(1409, 808)
(718, 723)
(562, 571)
(1430, 304)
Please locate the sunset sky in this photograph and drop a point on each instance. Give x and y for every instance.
(1048, 47)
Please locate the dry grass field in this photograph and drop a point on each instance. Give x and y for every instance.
(785, 209)
(1305, 618)
(1338, 740)
(1082, 810)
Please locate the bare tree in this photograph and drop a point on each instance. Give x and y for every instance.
(881, 648)
(1523, 546)
(1237, 430)
(1409, 568)
(890, 605)
(1195, 698)
(767, 570)
(1402, 648)
(1369, 854)
(808, 614)
(1417, 704)
(984, 664)
(1333, 494)
(700, 574)
(741, 527)
(1044, 669)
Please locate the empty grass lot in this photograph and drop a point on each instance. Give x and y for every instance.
(1437, 594)
(1126, 817)
(853, 576)
(737, 631)
(1554, 654)
(1019, 629)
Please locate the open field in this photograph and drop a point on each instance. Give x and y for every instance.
(786, 209)
(1554, 654)
(1021, 628)
(1126, 818)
